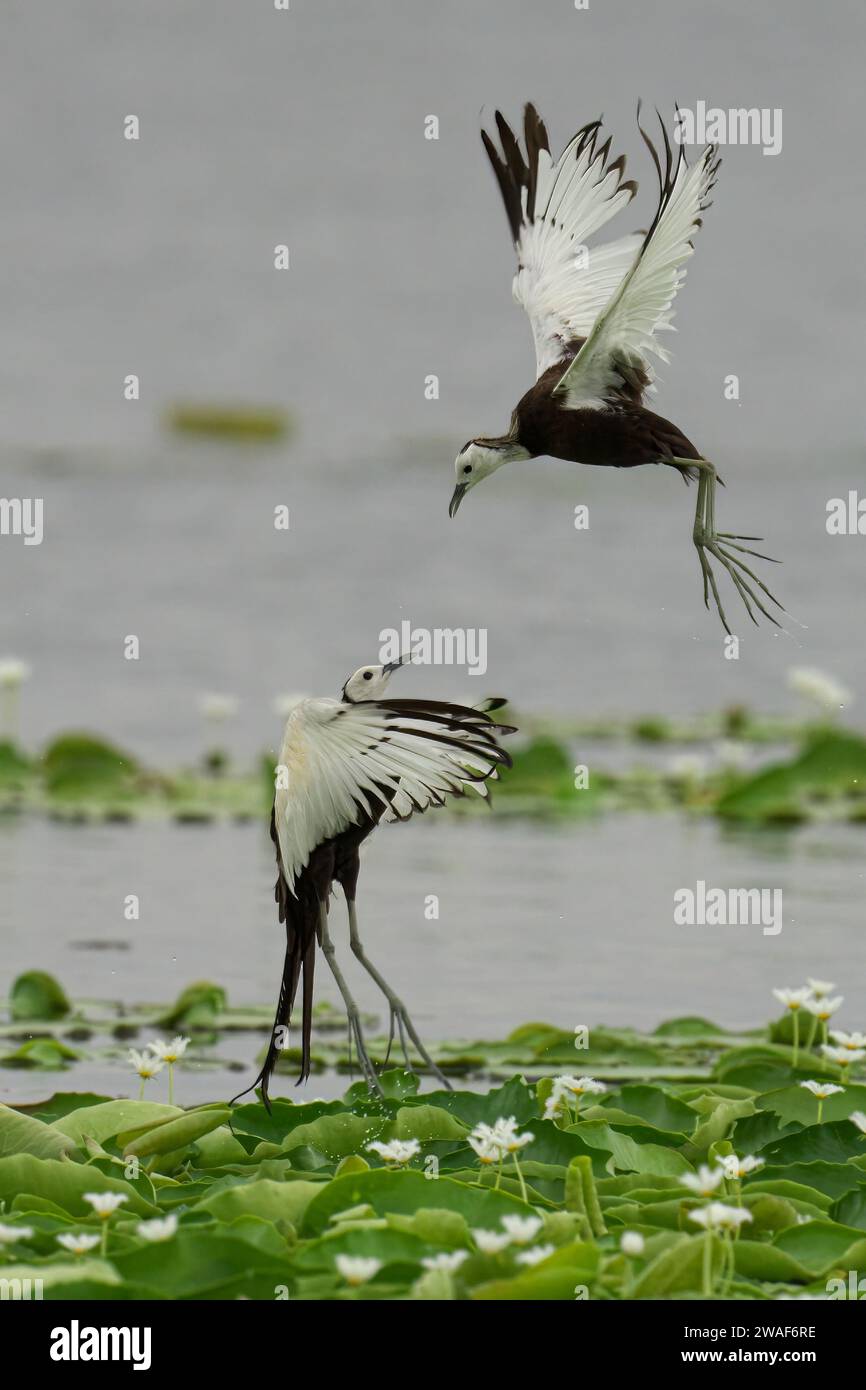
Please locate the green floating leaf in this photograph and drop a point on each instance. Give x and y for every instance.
(63, 1184)
(43, 1054)
(197, 1006)
(796, 1104)
(19, 1134)
(176, 1134)
(408, 1192)
(80, 765)
(513, 1098)
(272, 1201)
(37, 995)
(833, 762)
(204, 1264)
(658, 1107)
(678, 1269)
(114, 1117)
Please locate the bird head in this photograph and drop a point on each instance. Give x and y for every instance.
(369, 682)
(478, 459)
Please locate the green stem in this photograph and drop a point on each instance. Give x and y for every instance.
(141, 1089)
(520, 1178)
(104, 1244)
(170, 1084)
(708, 1264)
(796, 1036)
(812, 1026)
(820, 1108)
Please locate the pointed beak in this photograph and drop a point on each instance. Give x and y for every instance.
(391, 666)
(456, 498)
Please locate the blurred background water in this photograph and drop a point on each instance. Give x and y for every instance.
(156, 257)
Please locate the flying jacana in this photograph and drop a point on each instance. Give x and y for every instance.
(595, 315)
(348, 765)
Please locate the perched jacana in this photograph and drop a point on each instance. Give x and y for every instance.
(344, 767)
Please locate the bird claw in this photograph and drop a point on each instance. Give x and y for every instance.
(405, 1025)
(741, 574)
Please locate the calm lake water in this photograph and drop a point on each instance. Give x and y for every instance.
(156, 257)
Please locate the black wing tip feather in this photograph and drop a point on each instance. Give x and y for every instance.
(516, 173)
(667, 177)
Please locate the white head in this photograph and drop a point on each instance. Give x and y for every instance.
(369, 682)
(478, 459)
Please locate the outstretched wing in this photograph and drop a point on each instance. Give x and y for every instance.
(553, 207)
(348, 761)
(613, 360)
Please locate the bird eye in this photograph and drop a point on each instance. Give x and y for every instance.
(368, 675)
(467, 468)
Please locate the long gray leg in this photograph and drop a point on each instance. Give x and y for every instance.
(720, 544)
(354, 1017)
(398, 1009)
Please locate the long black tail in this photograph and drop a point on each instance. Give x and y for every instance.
(301, 916)
(299, 963)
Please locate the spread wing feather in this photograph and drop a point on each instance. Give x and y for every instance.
(615, 352)
(382, 759)
(553, 208)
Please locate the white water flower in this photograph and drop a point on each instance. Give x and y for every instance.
(169, 1052)
(719, 1216)
(843, 1056)
(739, 1167)
(522, 1229)
(580, 1085)
(218, 708)
(535, 1255)
(632, 1243)
(553, 1105)
(485, 1151)
(731, 755)
(13, 673)
(503, 1136)
(9, 1234)
(491, 1242)
(853, 1041)
(793, 999)
(688, 767)
(704, 1181)
(395, 1152)
(820, 987)
(105, 1203)
(821, 1089)
(160, 1228)
(859, 1119)
(820, 689)
(145, 1064)
(449, 1260)
(78, 1244)
(357, 1269)
(822, 1007)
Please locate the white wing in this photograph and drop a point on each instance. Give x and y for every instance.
(345, 762)
(614, 356)
(553, 208)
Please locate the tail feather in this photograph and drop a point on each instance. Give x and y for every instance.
(301, 919)
(298, 964)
